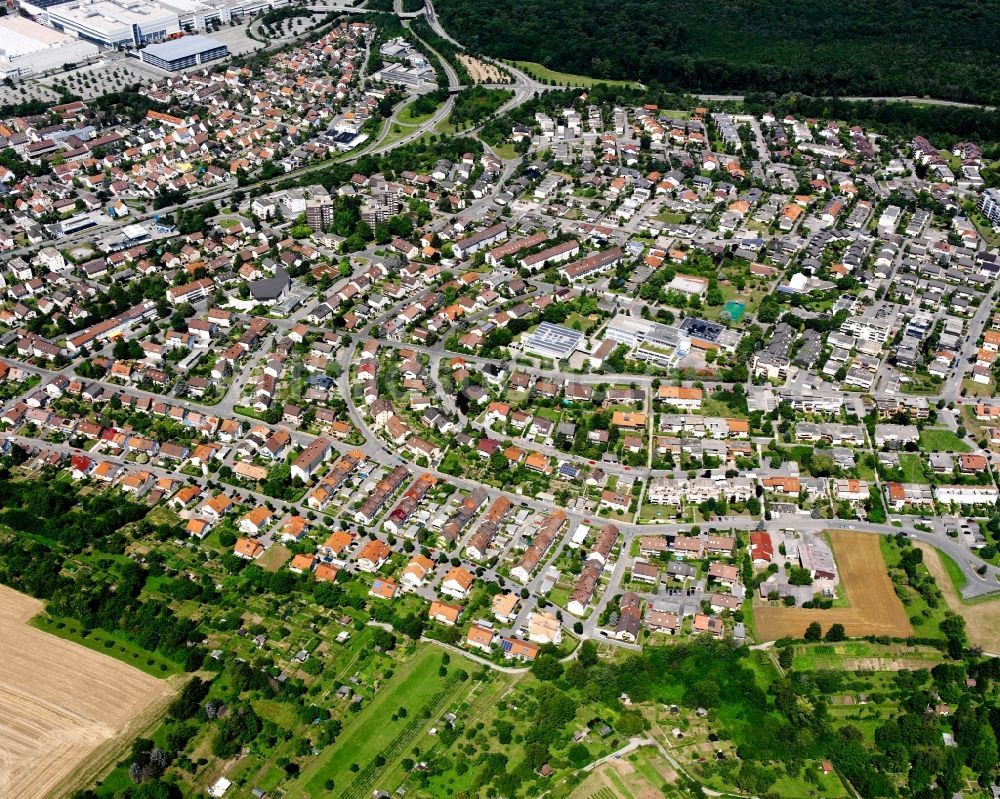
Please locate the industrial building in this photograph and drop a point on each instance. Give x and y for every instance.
(27, 48)
(112, 23)
(189, 51)
(134, 23)
(412, 77)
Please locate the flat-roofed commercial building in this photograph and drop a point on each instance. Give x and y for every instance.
(27, 47)
(189, 51)
(113, 23)
(552, 341)
(133, 23)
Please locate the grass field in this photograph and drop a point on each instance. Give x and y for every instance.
(972, 388)
(913, 468)
(955, 573)
(407, 117)
(108, 644)
(538, 72)
(396, 132)
(937, 439)
(982, 619)
(417, 687)
(874, 610)
(58, 701)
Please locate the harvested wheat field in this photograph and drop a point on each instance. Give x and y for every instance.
(58, 701)
(982, 619)
(875, 609)
(481, 72)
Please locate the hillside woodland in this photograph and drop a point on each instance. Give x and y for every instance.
(860, 47)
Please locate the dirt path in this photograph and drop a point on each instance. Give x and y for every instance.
(982, 620)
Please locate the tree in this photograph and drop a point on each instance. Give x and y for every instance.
(835, 633)
(799, 576)
(547, 667)
(813, 632)
(769, 310)
(578, 755)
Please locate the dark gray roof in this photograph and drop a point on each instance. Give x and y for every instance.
(270, 288)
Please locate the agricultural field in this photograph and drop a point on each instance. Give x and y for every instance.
(863, 656)
(642, 774)
(874, 608)
(59, 702)
(982, 619)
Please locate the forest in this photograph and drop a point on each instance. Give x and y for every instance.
(49, 522)
(858, 48)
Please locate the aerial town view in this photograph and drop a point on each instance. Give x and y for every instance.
(499, 400)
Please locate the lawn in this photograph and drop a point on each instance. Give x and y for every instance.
(656, 513)
(407, 117)
(913, 468)
(541, 73)
(505, 151)
(829, 785)
(938, 439)
(416, 686)
(971, 388)
(954, 571)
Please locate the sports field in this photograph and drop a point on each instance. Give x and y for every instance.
(874, 607)
(58, 701)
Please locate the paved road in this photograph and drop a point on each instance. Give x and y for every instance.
(883, 99)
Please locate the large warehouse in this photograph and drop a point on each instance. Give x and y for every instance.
(114, 23)
(27, 47)
(189, 51)
(133, 23)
